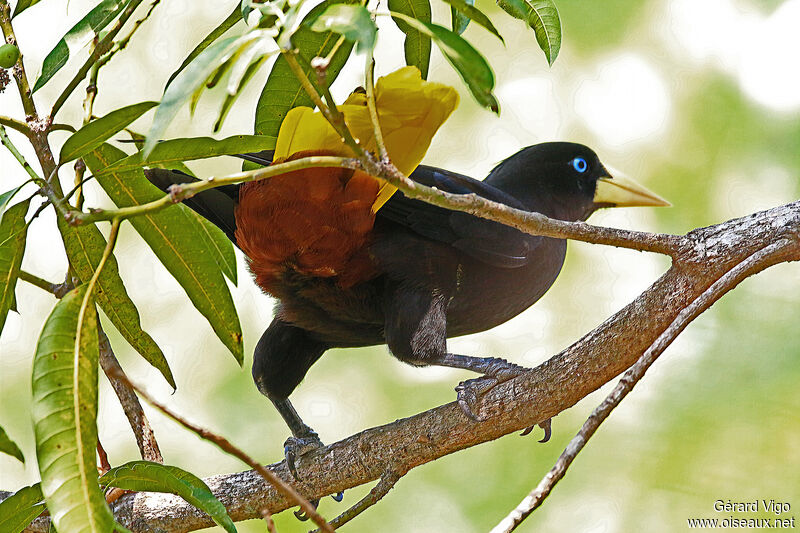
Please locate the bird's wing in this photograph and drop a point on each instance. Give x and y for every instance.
(490, 242)
(263, 158)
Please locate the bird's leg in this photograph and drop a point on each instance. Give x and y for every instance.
(303, 439)
(282, 357)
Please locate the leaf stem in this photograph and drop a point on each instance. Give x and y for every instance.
(373, 110)
(5, 141)
(37, 281)
(15, 124)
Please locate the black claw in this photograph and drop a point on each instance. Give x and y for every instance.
(338, 496)
(288, 452)
(301, 515)
(526, 431)
(547, 427)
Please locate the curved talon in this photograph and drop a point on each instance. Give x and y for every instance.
(295, 447)
(338, 497)
(469, 391)
(301, 515)
(546, 425)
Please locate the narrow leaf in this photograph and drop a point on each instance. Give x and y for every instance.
(78, 36)
(22, 5)
(9, 447)
(5, 199)
(221, 246)
(467, 61)
(84, 246)
(542, 16)
(282, 91)
(144, 476)
(216, 33)
(466, 11)
(417, 44)
(64, 410)
(352, 21)
(187, 149)
(185, 83)
(173, 238)
(98, 131)
(21, 508)
(231, 97)
(13, 231)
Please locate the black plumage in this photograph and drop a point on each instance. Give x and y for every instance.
(432, 273)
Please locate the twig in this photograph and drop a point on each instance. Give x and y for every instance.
(4, 139)
(15, 125)
(265, 514)
(386, 483)
(98, 51)
(19, 69)
(281, 485)
(37, 281)
(747, 267)
(122, 43)
(187, 190)
(331, 113)
(373, 110)
(145, 438)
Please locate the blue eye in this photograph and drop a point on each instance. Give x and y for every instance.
(580, 164)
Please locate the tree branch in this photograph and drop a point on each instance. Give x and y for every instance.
(706, 255)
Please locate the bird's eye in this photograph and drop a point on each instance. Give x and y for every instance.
(580, 164)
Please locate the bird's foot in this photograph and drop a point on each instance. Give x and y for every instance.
(296, 447)
(495, 371)
(546, 425)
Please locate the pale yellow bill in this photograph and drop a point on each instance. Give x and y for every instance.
(621, 191)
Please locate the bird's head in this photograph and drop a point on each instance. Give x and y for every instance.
(567, 181)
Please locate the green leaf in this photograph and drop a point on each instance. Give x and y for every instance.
(230, 98)
(98, 131)
(173, 238)
(185, 84)
(542, 16)
(282, 91)
(80, 35)
(458, 20)
(467, 61)
(64, 387)
(21, 508)
(84, 246)
(9, 447)
(145, 476)
(13, 232)
(187, 149)
(22, 5)
(5, 199)
(352, 21)
(220, 244)
(466, 11)
(216, 33)
(417, 45)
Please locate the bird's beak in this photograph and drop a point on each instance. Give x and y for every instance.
(621, 191)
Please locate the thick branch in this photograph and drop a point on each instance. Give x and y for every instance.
(556, 385)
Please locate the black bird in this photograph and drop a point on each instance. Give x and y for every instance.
(411, 275)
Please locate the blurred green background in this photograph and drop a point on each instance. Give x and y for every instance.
(699, 100)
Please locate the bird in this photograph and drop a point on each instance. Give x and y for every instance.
(409, 274)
